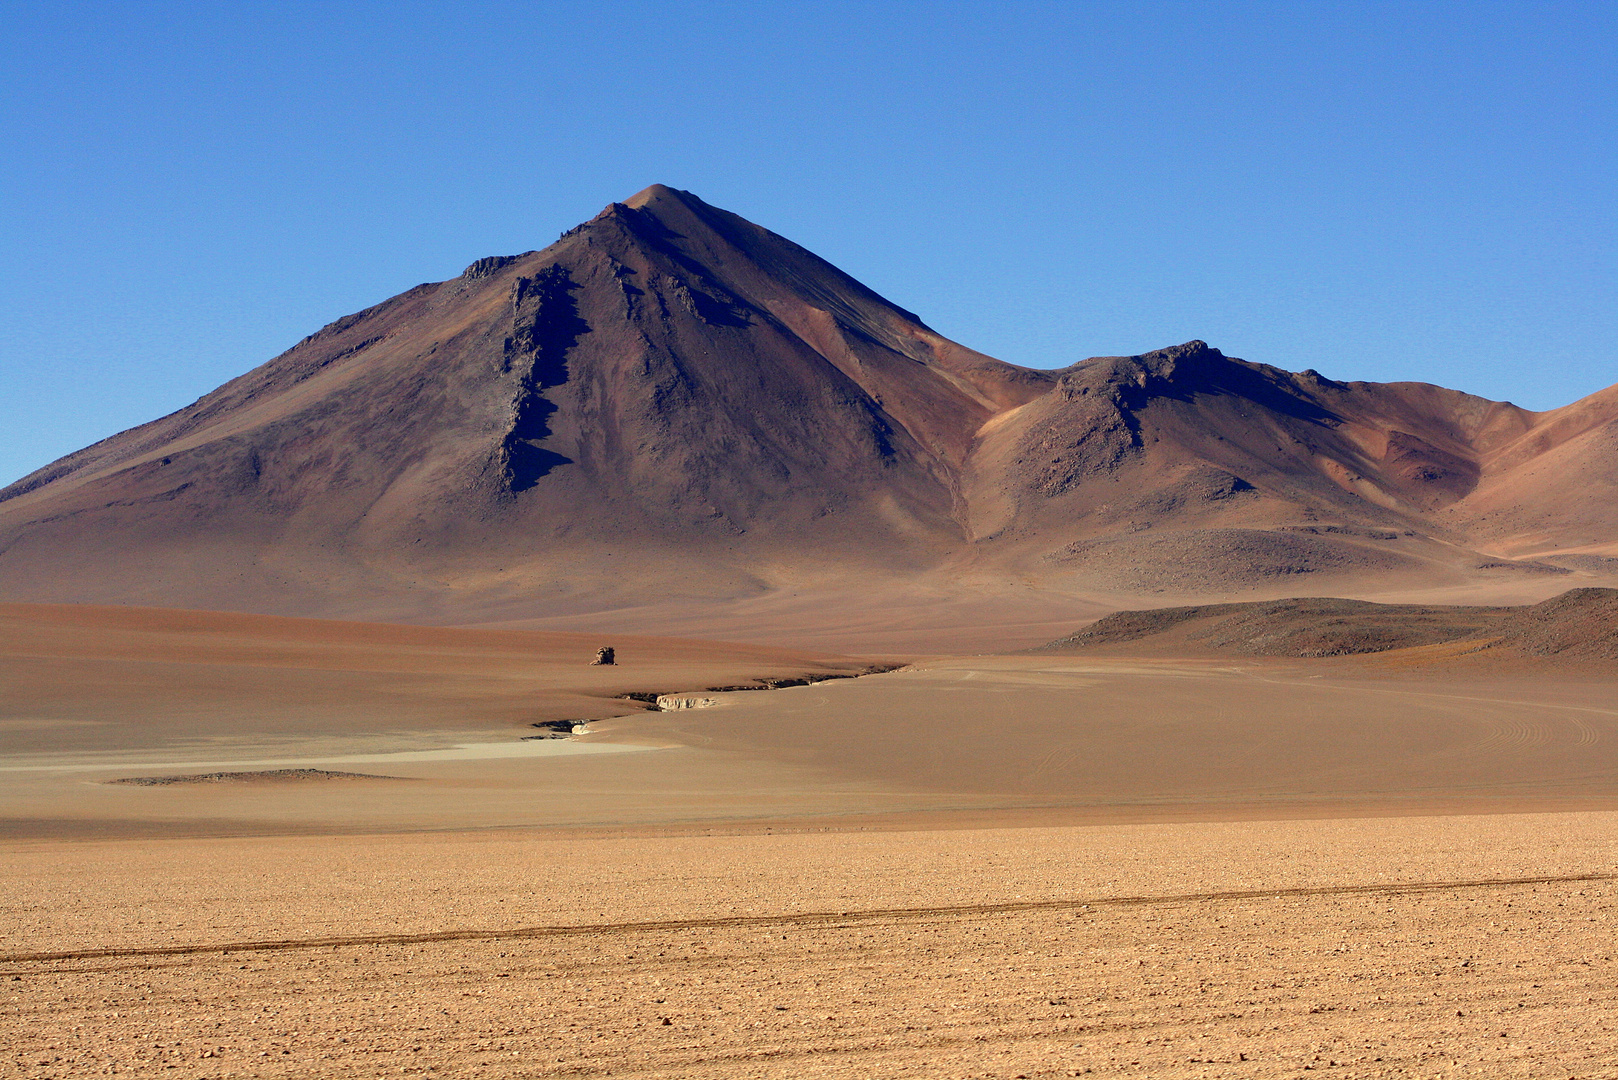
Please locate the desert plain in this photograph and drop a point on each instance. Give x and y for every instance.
(346, 854)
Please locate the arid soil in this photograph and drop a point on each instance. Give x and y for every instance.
(1370, 948)
(126, 694)
(1395, 864)
(147, 677)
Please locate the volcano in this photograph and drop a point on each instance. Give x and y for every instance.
(672, 417)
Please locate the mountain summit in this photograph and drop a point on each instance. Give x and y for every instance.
(673, 403)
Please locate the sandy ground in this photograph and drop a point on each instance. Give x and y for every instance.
(978, 866)
(971, 613)
(1371, 947)
(143, 677)
(963, 741)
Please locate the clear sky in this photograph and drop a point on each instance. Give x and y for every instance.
(1378, 191)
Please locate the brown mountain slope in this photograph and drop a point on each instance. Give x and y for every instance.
(1187, 471)
(1552, 489)
(672, 408)
(664, 380)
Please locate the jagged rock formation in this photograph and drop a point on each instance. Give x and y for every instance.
(673, 403)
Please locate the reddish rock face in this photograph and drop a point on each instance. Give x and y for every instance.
(672, 402)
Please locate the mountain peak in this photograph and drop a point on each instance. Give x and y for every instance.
(654, 194)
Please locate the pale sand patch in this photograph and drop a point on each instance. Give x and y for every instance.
(493, 751)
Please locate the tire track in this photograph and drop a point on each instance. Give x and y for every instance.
(1589, 734)
(812, 918)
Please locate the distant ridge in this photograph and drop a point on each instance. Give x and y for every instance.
(1580, 626)
(672, 405)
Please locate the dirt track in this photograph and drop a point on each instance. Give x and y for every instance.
(801, 919)
(1505, 980)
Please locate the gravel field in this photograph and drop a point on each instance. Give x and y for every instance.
(1369, 947)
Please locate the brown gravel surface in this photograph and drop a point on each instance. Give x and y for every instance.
(1372, 947)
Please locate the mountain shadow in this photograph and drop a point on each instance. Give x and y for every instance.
(545, 328)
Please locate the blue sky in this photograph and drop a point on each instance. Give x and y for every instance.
(1378, 191)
